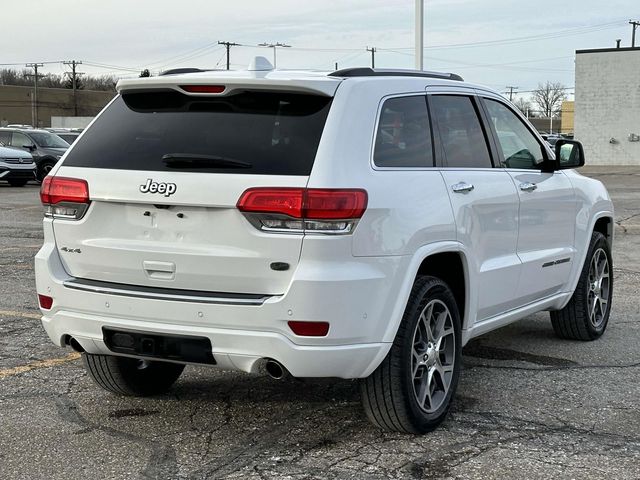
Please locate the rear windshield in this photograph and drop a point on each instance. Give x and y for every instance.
(274, 133)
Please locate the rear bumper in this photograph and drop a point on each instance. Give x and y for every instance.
(355, 296)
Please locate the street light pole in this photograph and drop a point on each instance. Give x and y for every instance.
(419, 33)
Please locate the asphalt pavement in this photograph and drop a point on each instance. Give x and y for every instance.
(528, 406)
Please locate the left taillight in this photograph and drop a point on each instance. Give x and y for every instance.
(66, 198)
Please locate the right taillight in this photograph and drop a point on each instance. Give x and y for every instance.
(296, 210)
(66, 198)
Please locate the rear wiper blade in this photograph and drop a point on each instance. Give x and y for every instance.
(192, 160)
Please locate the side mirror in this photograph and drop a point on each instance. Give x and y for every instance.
(569, 154)
(30, 147)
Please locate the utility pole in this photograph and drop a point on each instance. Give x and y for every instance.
(228, 45)
(373, 56)
(419, 34)
(635, 24)
(74, 75)
(274, 46)
(34, 112)
(511, 89)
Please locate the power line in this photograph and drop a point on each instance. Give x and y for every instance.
(633, 31)
(511, 89)
(228, 46)
(34, 114)
(274, 46)
(373, 56)
(74, 76)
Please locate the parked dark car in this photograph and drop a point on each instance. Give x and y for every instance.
(69, 135)
(45, 147)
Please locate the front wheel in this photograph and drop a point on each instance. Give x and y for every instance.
(44, 168)
(586, 315)
(131, 376)
(411, 390)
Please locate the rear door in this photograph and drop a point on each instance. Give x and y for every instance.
(484, 200)
(165, 171)
(548, 205)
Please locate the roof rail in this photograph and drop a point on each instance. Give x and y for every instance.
(178, 71)
(384, 72)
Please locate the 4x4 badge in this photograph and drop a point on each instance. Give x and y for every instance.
(158, 187)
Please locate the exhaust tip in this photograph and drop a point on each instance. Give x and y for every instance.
(275, 369)
(73, 343)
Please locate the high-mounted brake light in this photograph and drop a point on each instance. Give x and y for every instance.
(203, 88)
(304, 209)
(64, 197)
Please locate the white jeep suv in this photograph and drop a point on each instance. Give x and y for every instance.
(362, 224)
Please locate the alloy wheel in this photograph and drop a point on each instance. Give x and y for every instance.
(433, 356)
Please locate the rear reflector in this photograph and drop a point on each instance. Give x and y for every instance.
(45, 301)
(60, 189)
(310, 204)
(203, 88)
(309, 329)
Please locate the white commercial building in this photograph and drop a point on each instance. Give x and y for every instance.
(607, 105)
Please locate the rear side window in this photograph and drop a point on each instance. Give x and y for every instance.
(273, 133)
(464, 142)
(403, 138)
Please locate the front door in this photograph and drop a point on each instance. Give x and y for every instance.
(548, 206)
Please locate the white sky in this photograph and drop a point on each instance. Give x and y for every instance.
(160, 34)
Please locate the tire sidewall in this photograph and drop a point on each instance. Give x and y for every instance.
(433, 289)
(597, 241)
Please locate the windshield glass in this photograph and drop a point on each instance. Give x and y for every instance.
(272, 133)
(48, 140)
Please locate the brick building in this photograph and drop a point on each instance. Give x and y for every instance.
(607, 105)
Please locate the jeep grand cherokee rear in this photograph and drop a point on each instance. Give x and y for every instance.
(360, 224)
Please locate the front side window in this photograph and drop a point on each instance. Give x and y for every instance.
(403, 138)
(49, 140)
(464, 143)
(19, 140)
(520, 149)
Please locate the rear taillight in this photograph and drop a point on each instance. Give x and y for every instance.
(334, 211)
(66, 198)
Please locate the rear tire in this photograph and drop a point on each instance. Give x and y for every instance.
(411, 390)
(586, 315)
(130, 376)
(17, 183)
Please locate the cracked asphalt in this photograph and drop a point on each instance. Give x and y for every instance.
(528, 405)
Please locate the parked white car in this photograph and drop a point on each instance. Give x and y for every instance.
(16, 167)
(358, 224)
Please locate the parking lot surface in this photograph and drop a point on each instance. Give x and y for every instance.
(528, 405)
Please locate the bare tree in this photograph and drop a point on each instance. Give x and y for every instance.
(51, 80)
(549, 97)
(524, 106)
(101, 82)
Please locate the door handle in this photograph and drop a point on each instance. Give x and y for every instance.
(528, 187)
(462, 187)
